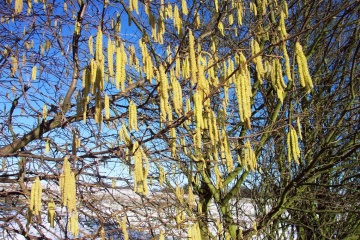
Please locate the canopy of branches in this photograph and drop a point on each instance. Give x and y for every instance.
(179, 119)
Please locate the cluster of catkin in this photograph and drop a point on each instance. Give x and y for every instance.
(67, 184)
(35, 197)
(141, 165)
(122, 225)
(249, 158)
(303, 70)
(243, 89)
(293, 146)
(194, 231)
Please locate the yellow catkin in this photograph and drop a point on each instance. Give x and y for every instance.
(255, 48)
(161, 236)
(303, 70)
(74, 224)
(239, 11)
(282, 28)
(51, 213)
(184, 7)
(293, 146)
(193, 64)
(218, 177)
(99, 45)
(44, 112)
(299, 127)
(277, 79)
(14, 66)
(113, 183)
(231, 19)
(164, 94)
(249, 156)
(177, 93)
(134, 6)
(194, 230)
(18, 6)
(110, 57)
(133, 122)
(253, 8)
(68, 187)
(121, 60)
(35, 197)
(140, 171)
(107, 106)
(287, 62)
(91, 45)
(65, 8)
(161, 176)
(123, 228)
(285, 9)
(177, 20)
(173, 141)
(243, 90)
(47, 146)
(221, 28)
(191, 198)
(33, 73)
(179, 193)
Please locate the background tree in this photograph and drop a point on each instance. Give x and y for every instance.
(205, 101)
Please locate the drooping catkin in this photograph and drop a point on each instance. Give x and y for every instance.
(249, 156)
(303, 70)
(18, 6)
(194, 230)
(44, 112)
(191, 198)
(134, 6)
(14, 65)
(255, 49)
(177, 20)
(91, 45)
(51, 213)
(216, 4)
(218, 177)
(287, 62)
(110, 53)
(47, 146)
(161, 175)
(277, 79)
(99, 45)
(68, 187)
(184, 7)
(177, 92)
(293, 146)
(243, 90)
(193, 64)
(173, 142)
(282, 28)
(239, 11)
(33, 73)
(164, 93)
(299, 127)
(161, 236)
(221, 28)
(179, 193)
(140, 171)
(35, 197)
(123, 228)
(133, 121)
(74, 224)
(107, 106)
